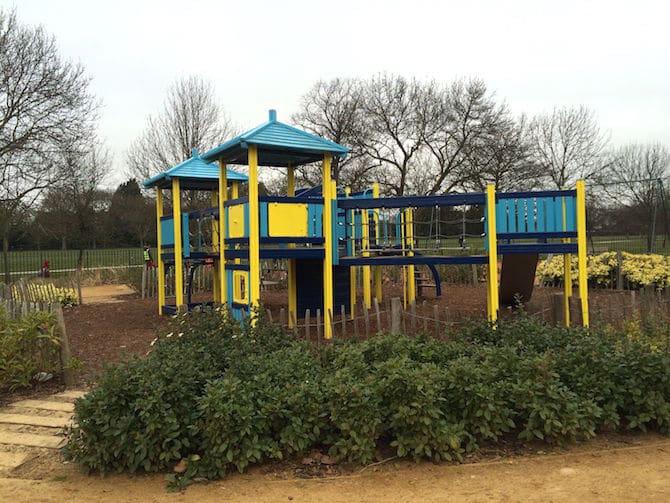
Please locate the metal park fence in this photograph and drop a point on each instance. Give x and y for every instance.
(64, 262)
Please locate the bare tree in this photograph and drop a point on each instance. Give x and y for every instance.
(501, 156)
(45, 109)
(471, 139)
(395, 129)
(567, 144)
(634, 179)
(332, 109)
(190, 118)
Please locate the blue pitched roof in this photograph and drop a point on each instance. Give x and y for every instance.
(278, 144)
(193, 173)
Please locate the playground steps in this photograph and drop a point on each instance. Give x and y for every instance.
(30, 439)
(56, 406)
(31, 420)
(27, 427)
(423, 281)
(11, 460)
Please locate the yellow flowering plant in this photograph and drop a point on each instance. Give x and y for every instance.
(638, 270)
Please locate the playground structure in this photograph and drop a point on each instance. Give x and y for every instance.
(327, 235)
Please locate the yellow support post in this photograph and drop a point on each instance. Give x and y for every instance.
(216, 284)
(178, 259)
(567, 273)
(292, 280)
(581, 252)
(254, 234)
(328, 246)
(403, 244)
(378, 269)
(223, 197)
(352, 270)
(492, 286)
(365, 245)
(159, 251)
(411, 281)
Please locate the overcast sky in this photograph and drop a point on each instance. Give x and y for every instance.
(613, 56)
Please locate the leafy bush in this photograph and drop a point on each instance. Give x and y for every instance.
(638, 270)
(28, 345)
(219, 396)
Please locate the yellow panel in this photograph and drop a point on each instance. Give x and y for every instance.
(241, 287)
(287, 220)
(236, 221)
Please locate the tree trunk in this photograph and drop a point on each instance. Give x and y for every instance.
(5, 252)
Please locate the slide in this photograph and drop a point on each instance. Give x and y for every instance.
(517, 277)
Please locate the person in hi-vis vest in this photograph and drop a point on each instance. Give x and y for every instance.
(148, 261)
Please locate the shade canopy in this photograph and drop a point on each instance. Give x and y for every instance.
(193, 174)
(278, 145)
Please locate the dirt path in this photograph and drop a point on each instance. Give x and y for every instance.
(106, 294)
(591, 472)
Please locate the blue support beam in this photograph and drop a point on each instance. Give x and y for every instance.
(415, 260)
(475, 199)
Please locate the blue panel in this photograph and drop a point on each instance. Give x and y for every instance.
(541, 214)
(398, 230)
(550, 215)
(229, 289)
(511, 214)
(538, 235)
(530, 214)
(571, 213)
(335, 248)
(501, 217)
(315, 220)
(520, 215)
(358, 224)
(538, 248)
(263, 207)
(167, 232)
(341, 230)
(185, 241)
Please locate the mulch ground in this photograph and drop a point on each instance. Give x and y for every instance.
(108, 333)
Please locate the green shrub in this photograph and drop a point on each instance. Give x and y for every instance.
(28, 344)
(221, 396)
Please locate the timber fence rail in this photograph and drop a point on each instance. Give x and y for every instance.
(648, 308)
(22, 296)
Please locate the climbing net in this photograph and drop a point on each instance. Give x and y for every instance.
(436, 230)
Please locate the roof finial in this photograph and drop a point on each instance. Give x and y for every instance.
(273, 115)
(194, 153)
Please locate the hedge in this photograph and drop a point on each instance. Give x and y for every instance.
(219, 397)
